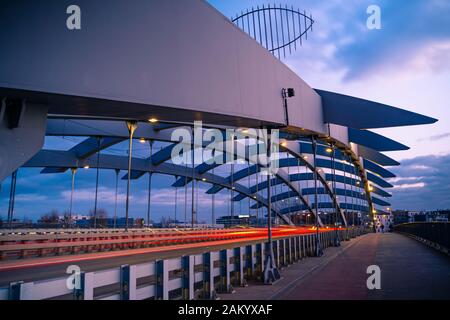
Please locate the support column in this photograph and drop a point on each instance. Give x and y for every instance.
(85, 289)
(162, 280)
(128, 282)
(239, 265)
(188, 277)
(249, 265)
(225, 272)
(208, 277)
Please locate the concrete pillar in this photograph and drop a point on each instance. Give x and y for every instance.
(224, 271)
(21, 291)
(127, 282)
(162, 280)
(188, 277)
(208, 278)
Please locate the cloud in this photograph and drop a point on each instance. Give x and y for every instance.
(415, 36)
(409, 185)
(30, 197)
(437, 137)
(422, 183)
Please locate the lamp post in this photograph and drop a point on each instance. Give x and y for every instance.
(74, 171)
(316, 205)
(270, 272)
(131, 125)
(337, 241)
(96, 181)
(150, 174)
(115, 201)
(12, 197)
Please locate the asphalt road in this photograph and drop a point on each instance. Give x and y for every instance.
(32, 270)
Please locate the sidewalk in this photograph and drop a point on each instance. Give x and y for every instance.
(409, 270)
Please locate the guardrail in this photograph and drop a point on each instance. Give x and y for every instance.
(198, 276)
(434, 234)
(38, 243)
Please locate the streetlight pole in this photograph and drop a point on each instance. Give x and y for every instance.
(12, 197)
(96, 182)
(115, 201)
(337, 241)
(270, 272)
(131, 125)
(149, 187)
(176, 202)
(74, 170)
(316, 204)
(193, 187)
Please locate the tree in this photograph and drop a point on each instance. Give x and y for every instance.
(50, 219)
(102, 218)
(67, 220)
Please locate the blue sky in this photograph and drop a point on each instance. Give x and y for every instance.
(405, 64)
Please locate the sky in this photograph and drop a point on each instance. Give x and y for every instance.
(404, 64)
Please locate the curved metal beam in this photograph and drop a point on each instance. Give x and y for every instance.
(67, 159)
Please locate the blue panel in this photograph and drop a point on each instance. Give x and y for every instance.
(163, 155)
(325, 205)
(381, 182)
(135, 174)
(310, 191)
(374, 140)
(54, 170)
(371, 166)
(306, 147)
(90, 146)
(380, 202)
(214, 189)
(376, 156)
(364, 114)
(181, 182)
(381, 192)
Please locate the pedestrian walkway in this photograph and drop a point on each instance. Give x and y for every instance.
(409, 270)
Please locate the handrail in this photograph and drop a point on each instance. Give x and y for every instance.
(435, 234)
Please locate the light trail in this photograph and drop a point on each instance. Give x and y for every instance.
(236, 235)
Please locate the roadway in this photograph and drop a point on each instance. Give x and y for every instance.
(35, 269)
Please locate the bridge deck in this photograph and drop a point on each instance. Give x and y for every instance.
(409, 270)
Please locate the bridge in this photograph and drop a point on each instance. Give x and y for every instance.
(302, 164)
(230, 266)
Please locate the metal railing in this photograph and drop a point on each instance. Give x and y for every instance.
(198, 276)
(38, 243)
(435, 234)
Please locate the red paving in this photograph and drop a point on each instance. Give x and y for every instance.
(343, 278)
(409, 270)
